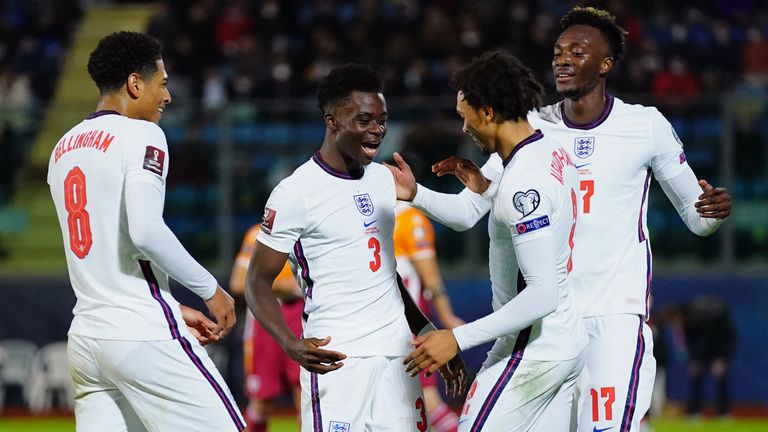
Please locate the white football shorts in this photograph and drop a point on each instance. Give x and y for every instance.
(367, 394)
(517, 394)
(169, 385)
(615, 388)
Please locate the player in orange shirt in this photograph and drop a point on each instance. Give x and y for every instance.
(271, 372)
(417, 265)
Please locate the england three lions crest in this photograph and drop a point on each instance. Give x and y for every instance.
(583, 147)
(364, 204)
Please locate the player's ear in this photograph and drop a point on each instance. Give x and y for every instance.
(133, 85)
(606, 65)
(330, 121)
(488, 113)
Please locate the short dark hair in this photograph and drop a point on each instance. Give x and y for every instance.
(340, 82)
(601, 20)
(500, 81)
(120, 54)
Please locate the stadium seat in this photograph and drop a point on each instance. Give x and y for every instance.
(16, 366)
(50, 376)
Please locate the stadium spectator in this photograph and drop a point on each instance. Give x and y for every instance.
(710, 335)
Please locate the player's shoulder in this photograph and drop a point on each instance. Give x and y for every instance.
(548, 114)
(621, 108)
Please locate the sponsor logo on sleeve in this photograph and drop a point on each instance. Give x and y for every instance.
(338, 427)
(364, 204)
(682, 157)
(526, 202)
(154, 160)
(268, 220)
(532, 225)
(583, 147)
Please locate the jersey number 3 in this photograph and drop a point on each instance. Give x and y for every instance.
(373, 243)
(78, 220)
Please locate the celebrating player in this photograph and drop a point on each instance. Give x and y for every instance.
(269, 372)
(414, 240)
(527, 381)
(134, 365)
(616, 147)
(335, 217)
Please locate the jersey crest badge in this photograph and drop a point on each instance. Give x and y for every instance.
(364, 204)
(154, 159)
(268, 220)
(338, 427)
(526, 202)
(583, 147)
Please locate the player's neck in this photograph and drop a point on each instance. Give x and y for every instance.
(587, 108)
(113, 102)
(510, 135)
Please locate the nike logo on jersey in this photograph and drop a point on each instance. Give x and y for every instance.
(582, 165)
(367, 224)
(595, 429)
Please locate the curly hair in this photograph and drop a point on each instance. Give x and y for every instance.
(340, 82)
(601, 20)
(120, 54)
(500, 81)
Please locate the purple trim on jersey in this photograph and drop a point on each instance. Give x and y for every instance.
(154, 289)
(351, 175)
(298, 250)
(100, 113)
(640, 232)
(634, 381)
(317, 418)
(591, 125)
(233, 412)
(514, 361)
(535, 136)
(648, 279)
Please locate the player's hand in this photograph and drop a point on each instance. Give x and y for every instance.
(405, 182)
(222, 307)
(714, 203)
(433, 350)
(465, 170)
(310, 356)
(455, 375)
(199, 325)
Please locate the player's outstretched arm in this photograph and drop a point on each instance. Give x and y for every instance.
(266, 264)
(457, 211)
(700, 205)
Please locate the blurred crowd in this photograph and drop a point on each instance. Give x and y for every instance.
(224, 50)
(34, 36)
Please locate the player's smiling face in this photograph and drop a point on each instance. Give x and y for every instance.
(473, 123)
(361, 124)
(581, 58)
(154, 95)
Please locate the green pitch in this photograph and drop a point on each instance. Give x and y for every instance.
(289, 425)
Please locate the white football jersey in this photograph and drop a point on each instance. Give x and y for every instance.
(537, 197)
(338, 229)
(120, 294)
(615, 157)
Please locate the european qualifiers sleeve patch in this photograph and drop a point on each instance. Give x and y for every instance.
(532, 225)
(526, 202)
(154, 160)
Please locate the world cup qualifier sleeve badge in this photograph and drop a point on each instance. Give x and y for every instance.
(364, 204)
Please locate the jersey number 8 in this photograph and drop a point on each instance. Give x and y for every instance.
(78, 220)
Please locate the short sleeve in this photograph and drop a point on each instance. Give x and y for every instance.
(147, 160)
(284, 218)
(527, 205)
(668, 158)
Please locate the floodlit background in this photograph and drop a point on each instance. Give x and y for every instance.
(242, 76)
